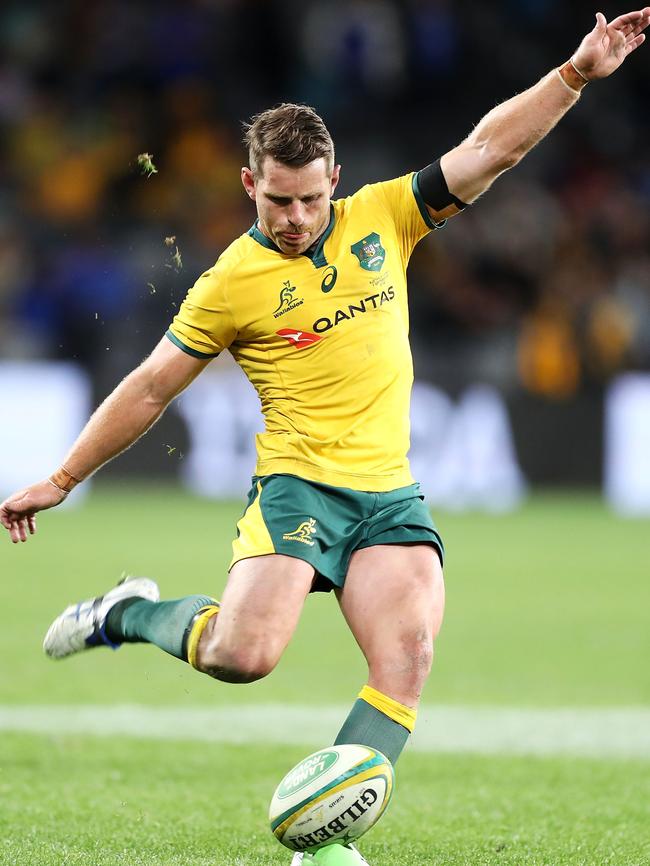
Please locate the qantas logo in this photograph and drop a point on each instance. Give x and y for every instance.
(298, 339)
(363, 306)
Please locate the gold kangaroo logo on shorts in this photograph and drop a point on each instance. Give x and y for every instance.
(303, 533)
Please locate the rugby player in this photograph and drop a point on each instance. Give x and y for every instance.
(312, 303)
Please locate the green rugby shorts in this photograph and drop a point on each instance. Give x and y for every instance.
(324, 525)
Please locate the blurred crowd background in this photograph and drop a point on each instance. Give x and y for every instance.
(541, 289)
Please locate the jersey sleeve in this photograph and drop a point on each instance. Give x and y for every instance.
(402, 200)
(204, 325)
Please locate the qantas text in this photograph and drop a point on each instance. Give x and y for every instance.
(369, 303)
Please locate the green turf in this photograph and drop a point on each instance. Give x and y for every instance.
(121, 802)
(546, 607)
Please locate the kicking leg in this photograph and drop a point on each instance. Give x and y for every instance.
(239, 640)
(393, 601)
(261, 606)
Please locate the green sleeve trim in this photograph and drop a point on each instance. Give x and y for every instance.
(187, 350)
(426, 216)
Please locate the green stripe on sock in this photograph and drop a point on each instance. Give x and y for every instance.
(370, 727)
(163, 623)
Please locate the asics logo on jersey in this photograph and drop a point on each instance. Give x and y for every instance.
(303, 533)
(352, 310)
(298, 339)
(287, 300)
(329, 280)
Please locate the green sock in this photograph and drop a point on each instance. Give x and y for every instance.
(163, 623)
(373, 728)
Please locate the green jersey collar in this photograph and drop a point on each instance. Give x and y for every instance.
(261, 238)
(315, 252)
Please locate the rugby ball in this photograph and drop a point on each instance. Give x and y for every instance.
(333, 795)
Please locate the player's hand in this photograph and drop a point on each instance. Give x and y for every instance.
(18, 511)
(603, 50)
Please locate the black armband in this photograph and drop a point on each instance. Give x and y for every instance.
(434, 190)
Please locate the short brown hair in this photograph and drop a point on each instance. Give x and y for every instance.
(289, 133)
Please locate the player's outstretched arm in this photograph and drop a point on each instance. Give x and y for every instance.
(137, 402)
(508, 132)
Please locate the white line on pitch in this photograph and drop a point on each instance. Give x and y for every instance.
(608, 732)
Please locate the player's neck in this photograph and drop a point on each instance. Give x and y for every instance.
(312, 246)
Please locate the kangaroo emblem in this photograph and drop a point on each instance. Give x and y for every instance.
(303, 533)
(287, 300)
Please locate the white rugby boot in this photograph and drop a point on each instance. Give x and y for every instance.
(81, 626)
(352, 856)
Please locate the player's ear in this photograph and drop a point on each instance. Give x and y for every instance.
(248, 181)
(336, 171)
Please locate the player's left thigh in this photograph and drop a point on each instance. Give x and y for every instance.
(393, 600)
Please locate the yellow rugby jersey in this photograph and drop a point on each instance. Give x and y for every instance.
(323, 337)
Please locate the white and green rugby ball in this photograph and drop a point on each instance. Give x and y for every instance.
(335, 795)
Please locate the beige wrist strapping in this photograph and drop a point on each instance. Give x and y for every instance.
(63, 480)
(571, 77)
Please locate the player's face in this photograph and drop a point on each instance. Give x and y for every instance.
(293, 204)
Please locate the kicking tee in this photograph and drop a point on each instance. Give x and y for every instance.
(323, 337)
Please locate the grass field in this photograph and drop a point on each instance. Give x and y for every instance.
(547, 625)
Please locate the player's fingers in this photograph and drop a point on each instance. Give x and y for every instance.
(31, 523)
(601, 21)
(628, 27)
(9, 518)
(14, 532)
(18, 530)
(641, 26)
(22, 529)
(636, 27)
(630, 18)
(634, 44)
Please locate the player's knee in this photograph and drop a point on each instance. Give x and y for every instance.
(237, 664)
(252, 666)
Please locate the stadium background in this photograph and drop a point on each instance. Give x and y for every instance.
(542, 292)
